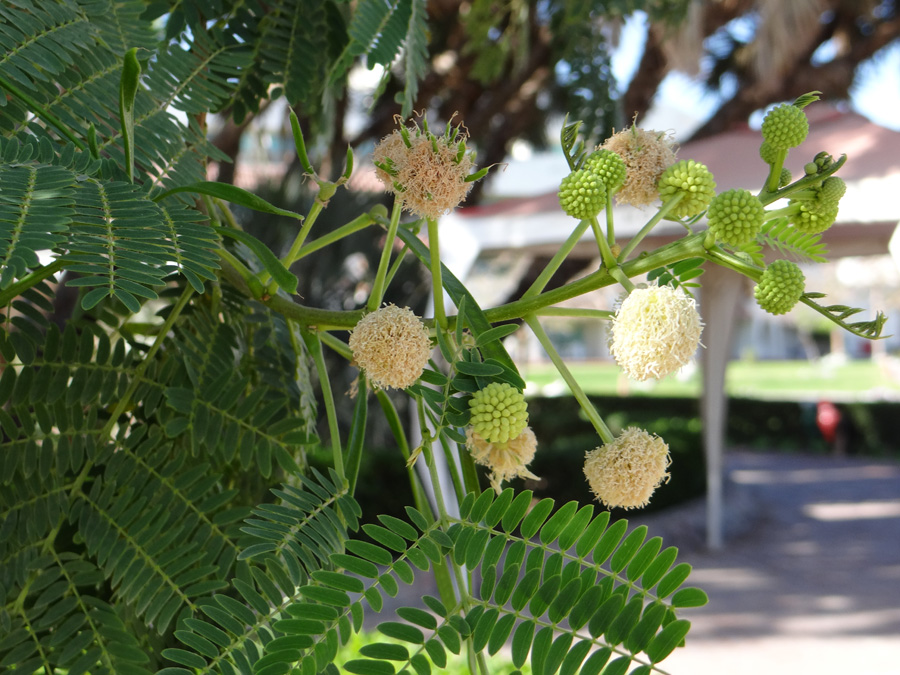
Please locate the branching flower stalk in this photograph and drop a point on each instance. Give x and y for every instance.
(379, 286)
(585, 403)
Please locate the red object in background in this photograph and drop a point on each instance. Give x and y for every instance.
(827, 418)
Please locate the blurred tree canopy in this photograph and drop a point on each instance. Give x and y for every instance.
(506, 67)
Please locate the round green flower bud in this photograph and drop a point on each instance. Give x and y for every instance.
(833, 188)
(498, 412)
(780, 288)
(693, 180)
(767, 153)
(608, 166)
(813, 217)
(810, 169)
(785, 126)
(582, 194)
(785, 178)
(735, 217)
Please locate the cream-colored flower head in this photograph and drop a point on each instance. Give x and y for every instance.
(427, 172)
(655, 332)
(392, 346)
(505, 460)
(625, 473)
(646, 155)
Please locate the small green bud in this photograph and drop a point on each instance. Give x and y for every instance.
(785, 178)
(608, 166)
(735, 217)
(767, 153)
(780, 287)
(582, 194)
(693, 180)
(499, 412)
(810, 169)
(813, 217)
(833, 188)
(785, 126)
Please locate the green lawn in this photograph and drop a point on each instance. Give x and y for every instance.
(760, 379)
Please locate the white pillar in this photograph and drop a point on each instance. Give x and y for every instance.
(721, 295)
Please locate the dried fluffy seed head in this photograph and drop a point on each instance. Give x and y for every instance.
(499, 412)
(694, 181)
(392, 345)
(646, 155)
(780, 287)
(432, 180)
(735, 217)
(655, 332)
(505, 460)
(625, 472)
(429, 174)
(785, 126)
(608, 167)
(392, 152)
(582, 194)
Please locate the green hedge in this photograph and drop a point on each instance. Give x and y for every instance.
(564, 435)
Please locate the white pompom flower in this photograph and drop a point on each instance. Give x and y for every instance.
(505, 460)
(655, 332)
(392, 346)
(625, 472)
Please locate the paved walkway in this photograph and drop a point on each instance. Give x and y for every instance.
(809, 580)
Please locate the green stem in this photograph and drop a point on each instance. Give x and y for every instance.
(610, 225)
(609, 260)
(355, 225)
(393, 420)
(775, 171)
(383, 264)
(575, 388)
(440, 315)
(453, 469)
(395, 266)
(687, 247)
(31, 279)
(294, 251)
(544, 277)
(336, 345)
(720, 257)
(138, 375)
(645, 230)
(786, 211)
(576, 312)
(314, 345)
(227, 214)
(35, 107)
(619, 276)
(432, 467)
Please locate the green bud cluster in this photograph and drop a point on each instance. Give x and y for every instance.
(785, 126)
(818, 213)
(813, 217)
(608, 166)
(498, 412)
(767, 153)
(833, 188)
(785, 178)
(582, 194)
(735, 217)
(780, 287)
(693, 180)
